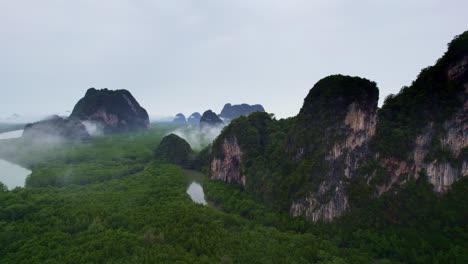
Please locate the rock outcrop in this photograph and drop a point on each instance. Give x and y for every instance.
(340, 150)
(342, 136)
(330, 142)
(174, 149)
(55, 129)
(231, 112)
(179, 119)
(438, 151)
(115, 111)
(315, 210)
(194, 119)
(210, 118)
(227, 167)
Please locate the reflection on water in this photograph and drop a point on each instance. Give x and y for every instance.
(11, 134)
(12, 175)
(195, 190)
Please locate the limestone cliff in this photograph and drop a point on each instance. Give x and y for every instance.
(323, 146)
(114, 111)
(348, 131)
(227, 167)
(317, 164)
(438, 152)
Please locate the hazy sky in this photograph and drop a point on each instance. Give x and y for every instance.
(185, 56)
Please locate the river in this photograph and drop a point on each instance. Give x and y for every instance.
(12, 175)
(11, 134)
(195, 189)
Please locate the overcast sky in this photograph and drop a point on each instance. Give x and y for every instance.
(186, 56)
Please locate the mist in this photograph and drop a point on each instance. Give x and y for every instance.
(93, 128)
(198, 136)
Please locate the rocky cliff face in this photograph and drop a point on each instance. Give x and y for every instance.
(344, 158)
(438, 152)
(115, 111)
(330, 142)
(227, 167)
(315, 210)
(352, 128)
(310, 164)
(231, 112)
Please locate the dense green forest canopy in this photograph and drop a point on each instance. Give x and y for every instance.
(284, 159)
(329, 89)
(118, 204)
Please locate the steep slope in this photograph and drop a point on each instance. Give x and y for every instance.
(340, 150)
(332, 141)
(423, 130)
(115, 111)
(174, 149)
(210, 118)
(309, 156)
(179, 119)
(194, 119)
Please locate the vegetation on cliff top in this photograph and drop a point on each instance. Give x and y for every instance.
(287, 161)
(283, 160)
(174, 149)
(432, 97)
(338, 89)
(109, 200)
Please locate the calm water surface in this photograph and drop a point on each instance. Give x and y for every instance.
(12, 175)
(195, 190)
(11, 134)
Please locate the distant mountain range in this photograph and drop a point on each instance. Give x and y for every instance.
(228, 113)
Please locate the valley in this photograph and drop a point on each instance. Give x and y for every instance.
(343, 181)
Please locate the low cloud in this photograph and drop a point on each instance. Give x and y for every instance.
(93, 128)
(198, 136)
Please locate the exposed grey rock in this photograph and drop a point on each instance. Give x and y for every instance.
(228, 168)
